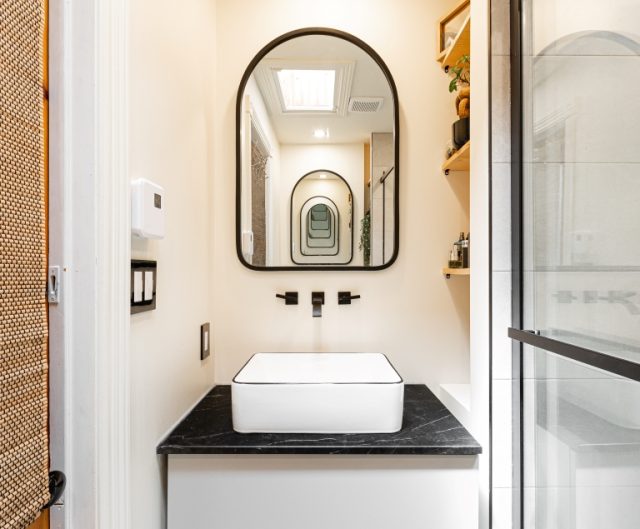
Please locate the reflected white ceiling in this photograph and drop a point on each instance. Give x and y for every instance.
(368, 81)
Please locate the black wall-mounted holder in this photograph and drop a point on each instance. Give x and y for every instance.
(345, 297)
(290, 298)
(144, 280)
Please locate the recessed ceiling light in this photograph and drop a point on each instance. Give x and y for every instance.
(321, 133)
(307, 90)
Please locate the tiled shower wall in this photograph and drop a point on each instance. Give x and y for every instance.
(502, 376)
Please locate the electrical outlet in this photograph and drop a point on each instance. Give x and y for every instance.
(205, 341)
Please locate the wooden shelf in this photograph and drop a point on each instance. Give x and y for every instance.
(448, 272)
(459, 47)
(459, 161)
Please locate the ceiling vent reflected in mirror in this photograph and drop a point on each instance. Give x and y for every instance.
(364, 105)
(317, 124)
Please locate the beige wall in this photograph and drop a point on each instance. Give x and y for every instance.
(409, 311)
(172, 100)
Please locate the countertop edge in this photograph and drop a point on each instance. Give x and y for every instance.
(169, 450)
(378, 445)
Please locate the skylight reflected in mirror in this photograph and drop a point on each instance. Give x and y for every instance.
(307, 90)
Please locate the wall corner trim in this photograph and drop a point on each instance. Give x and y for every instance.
(113, 252)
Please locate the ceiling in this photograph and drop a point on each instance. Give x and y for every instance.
(368, 81)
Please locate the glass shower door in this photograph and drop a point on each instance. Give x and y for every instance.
(579, 272)
(581, 445)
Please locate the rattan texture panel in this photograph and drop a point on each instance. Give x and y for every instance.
(24, 458)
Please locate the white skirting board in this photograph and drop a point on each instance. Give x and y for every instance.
(457, 397)
(322, 491)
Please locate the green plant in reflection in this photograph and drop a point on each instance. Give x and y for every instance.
(365, 238)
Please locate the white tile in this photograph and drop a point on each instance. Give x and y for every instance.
(548, 461)
(501, 321)
(609, 467)
(500, 110)
(550, 508)
(500, 27)
(502, 432)
(382, 149)
(594, 203)
(529, 508)
(501, 216)
(502, 499)
(529, 431)
(615, 507)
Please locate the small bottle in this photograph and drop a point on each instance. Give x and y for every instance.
(465, 252)
(454, 262)
(458, 247)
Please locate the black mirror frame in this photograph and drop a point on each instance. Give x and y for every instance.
(396, 129)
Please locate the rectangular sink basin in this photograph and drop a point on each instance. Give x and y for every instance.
(317, 393)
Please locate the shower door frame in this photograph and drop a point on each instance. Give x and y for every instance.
(520, 336)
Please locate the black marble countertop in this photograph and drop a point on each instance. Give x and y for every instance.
(428, 428)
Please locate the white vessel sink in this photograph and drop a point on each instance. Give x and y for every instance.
(317, 393)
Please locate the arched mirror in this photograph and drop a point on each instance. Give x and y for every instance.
(317, 156)
(321, 220)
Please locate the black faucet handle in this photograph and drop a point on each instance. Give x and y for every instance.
(290, 298)
(317, 300)
(345, 297)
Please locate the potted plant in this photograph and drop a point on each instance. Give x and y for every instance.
(365, 238)
(460, 82)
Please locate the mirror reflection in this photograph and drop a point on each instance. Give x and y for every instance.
(321, 220)
(317, 155)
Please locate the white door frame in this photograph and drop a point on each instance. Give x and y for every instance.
(89, 234)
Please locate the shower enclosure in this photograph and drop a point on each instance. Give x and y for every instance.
(576, 255)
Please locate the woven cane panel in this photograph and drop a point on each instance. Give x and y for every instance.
(24, 458)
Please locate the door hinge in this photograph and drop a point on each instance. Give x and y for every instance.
(53, 284)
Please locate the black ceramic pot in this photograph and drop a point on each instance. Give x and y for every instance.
(461, 132)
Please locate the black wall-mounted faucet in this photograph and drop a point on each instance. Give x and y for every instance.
(290, 298)
(317, 300)
(345, 297)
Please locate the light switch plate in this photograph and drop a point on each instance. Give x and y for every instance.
(144, 283)
(205, 341)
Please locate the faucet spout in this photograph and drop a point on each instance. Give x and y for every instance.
(317, 300)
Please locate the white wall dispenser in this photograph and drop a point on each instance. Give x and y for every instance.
(147, 209)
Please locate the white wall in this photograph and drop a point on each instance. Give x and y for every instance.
(345, 159)
(480, 245)
(172, 100)
(409, 311)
